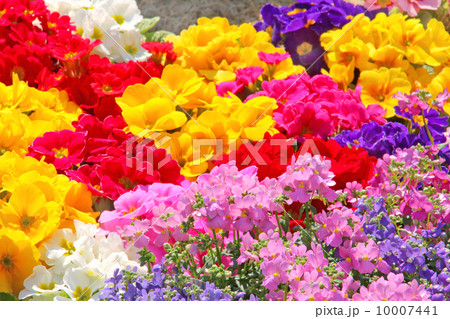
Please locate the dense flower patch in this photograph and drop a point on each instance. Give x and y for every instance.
(305, 157)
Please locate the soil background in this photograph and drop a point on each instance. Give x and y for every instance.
(177, 15)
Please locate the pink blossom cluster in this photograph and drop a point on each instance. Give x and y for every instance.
(406, 174)
(315, 105)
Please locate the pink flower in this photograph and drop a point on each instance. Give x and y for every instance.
(412, 7)
(273, 58)
(363, 255)
(136, 232)
(274, 272)
(248, 75)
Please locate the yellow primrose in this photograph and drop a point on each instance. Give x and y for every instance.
(157, 114)
(380, 85)
(13, 126)
(215, 49)
(35, 216)
(77, 206)
(18, 257)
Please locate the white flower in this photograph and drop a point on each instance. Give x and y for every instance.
(126, 13)
(65, 6)
(126, 46)
(83, 283)
(41, 285)
(66, 249)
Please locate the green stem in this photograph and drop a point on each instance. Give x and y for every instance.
(279, 226)
(216, 243)
(426, 128)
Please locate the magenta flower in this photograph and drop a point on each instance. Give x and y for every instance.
(273, 58)
(248, 75)
(63, 149)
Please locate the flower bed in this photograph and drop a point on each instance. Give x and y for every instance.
(305, 157)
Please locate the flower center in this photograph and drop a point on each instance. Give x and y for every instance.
(97, 34)
(70, 55)
(27, 221)
(81, 294)
(304, 48)
(68, 246)
(107, 88)
(50, 286)
(61, 152)
(6, 262)
(119, 19)
(131, 49)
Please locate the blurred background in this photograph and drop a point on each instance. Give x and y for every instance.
(177, 15)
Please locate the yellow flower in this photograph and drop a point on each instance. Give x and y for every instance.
(157, 114)
(215, 49)
(18, 256)
(13, 127)
(380, 85)
(78, 206)
(35, 216)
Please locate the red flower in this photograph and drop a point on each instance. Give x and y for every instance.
(162, 53)
(115, 176)
(271, 155)
(348, 164)
(73, 53)
(63, 149)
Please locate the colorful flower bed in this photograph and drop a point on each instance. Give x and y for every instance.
(304, 157)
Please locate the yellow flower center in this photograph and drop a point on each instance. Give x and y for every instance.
(106, 88)
(131, 49)
(97, 34)
(70, 55)
(68, 246)
(365, 258)
(119, 19)
(336, 230)
(276, 274)
(81, 294)
(50, 286)
(304, 48)
(61, 152)
(51, 25)
(301, 185)
(79, 31)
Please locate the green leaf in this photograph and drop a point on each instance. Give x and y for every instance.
(147, 23)
(4, 296)
(157, 36)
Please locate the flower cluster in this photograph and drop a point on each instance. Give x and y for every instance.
(210, 165)
(114, 23)
(79, 262)
(299, 26)
(386, 55)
